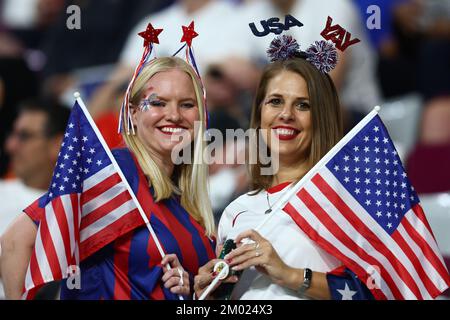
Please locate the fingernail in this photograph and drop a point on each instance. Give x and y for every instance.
(228, 261)
(235, 268)
(215, 273)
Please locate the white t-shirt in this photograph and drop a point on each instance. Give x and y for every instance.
(294, 247)
(215, 23)
(14, 197)
(222, 185)
(359, 87)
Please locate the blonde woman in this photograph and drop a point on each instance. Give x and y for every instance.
(166, 102)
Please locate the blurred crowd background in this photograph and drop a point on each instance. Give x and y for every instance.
(402, 64)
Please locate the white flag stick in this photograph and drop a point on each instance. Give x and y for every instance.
(213, 283)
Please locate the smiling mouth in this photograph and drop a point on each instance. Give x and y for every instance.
(172, 130)
(285, 133)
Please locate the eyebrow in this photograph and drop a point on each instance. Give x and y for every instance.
(189, 99)
(152, 96)
(155, 97)
(277, 95)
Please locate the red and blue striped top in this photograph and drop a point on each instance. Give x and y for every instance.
(129, 267)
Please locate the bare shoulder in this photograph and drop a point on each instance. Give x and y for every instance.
(22, 228)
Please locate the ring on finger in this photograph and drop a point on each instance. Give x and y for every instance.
(257, 253)
(256, 245)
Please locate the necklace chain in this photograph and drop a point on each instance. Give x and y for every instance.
(268, 203)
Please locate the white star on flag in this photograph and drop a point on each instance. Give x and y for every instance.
(346, 293)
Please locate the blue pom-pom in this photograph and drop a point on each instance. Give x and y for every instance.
(282, 48)
(322, 55)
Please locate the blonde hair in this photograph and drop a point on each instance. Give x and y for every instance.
(192, 178)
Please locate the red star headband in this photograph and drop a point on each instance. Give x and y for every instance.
(150, 36)
(189, 34)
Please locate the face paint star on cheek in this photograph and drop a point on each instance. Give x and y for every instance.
(147, 102)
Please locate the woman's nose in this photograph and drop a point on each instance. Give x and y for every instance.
(173, 113)
(286, 113)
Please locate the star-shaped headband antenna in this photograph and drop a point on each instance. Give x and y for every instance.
(189, 34)
(150, 35)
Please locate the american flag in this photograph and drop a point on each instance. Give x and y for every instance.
(358, 204)
(87, 206)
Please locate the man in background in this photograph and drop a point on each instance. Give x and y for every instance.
(33, 147)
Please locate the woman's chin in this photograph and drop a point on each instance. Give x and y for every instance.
(287, 155)
(284, 151)
(169, 148)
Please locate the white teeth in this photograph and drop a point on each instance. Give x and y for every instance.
(171, 130)
(284, 132)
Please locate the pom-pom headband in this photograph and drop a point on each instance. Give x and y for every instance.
(321, 54)
(150, 36)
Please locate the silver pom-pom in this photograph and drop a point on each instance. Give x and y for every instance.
(322, 55)
(282, 48)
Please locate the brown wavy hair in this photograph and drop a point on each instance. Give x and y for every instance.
(325, 113)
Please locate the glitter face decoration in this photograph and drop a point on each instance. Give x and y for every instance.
(147, 102)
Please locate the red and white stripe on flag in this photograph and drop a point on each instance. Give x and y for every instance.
(65, 237)
(407, 262)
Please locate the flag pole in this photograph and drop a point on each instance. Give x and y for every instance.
(222, 273)
(122, 177)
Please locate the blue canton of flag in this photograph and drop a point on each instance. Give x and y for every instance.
(345, 285)
(81, 156)
(369, 167)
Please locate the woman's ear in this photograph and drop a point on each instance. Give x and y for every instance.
(134, 114)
